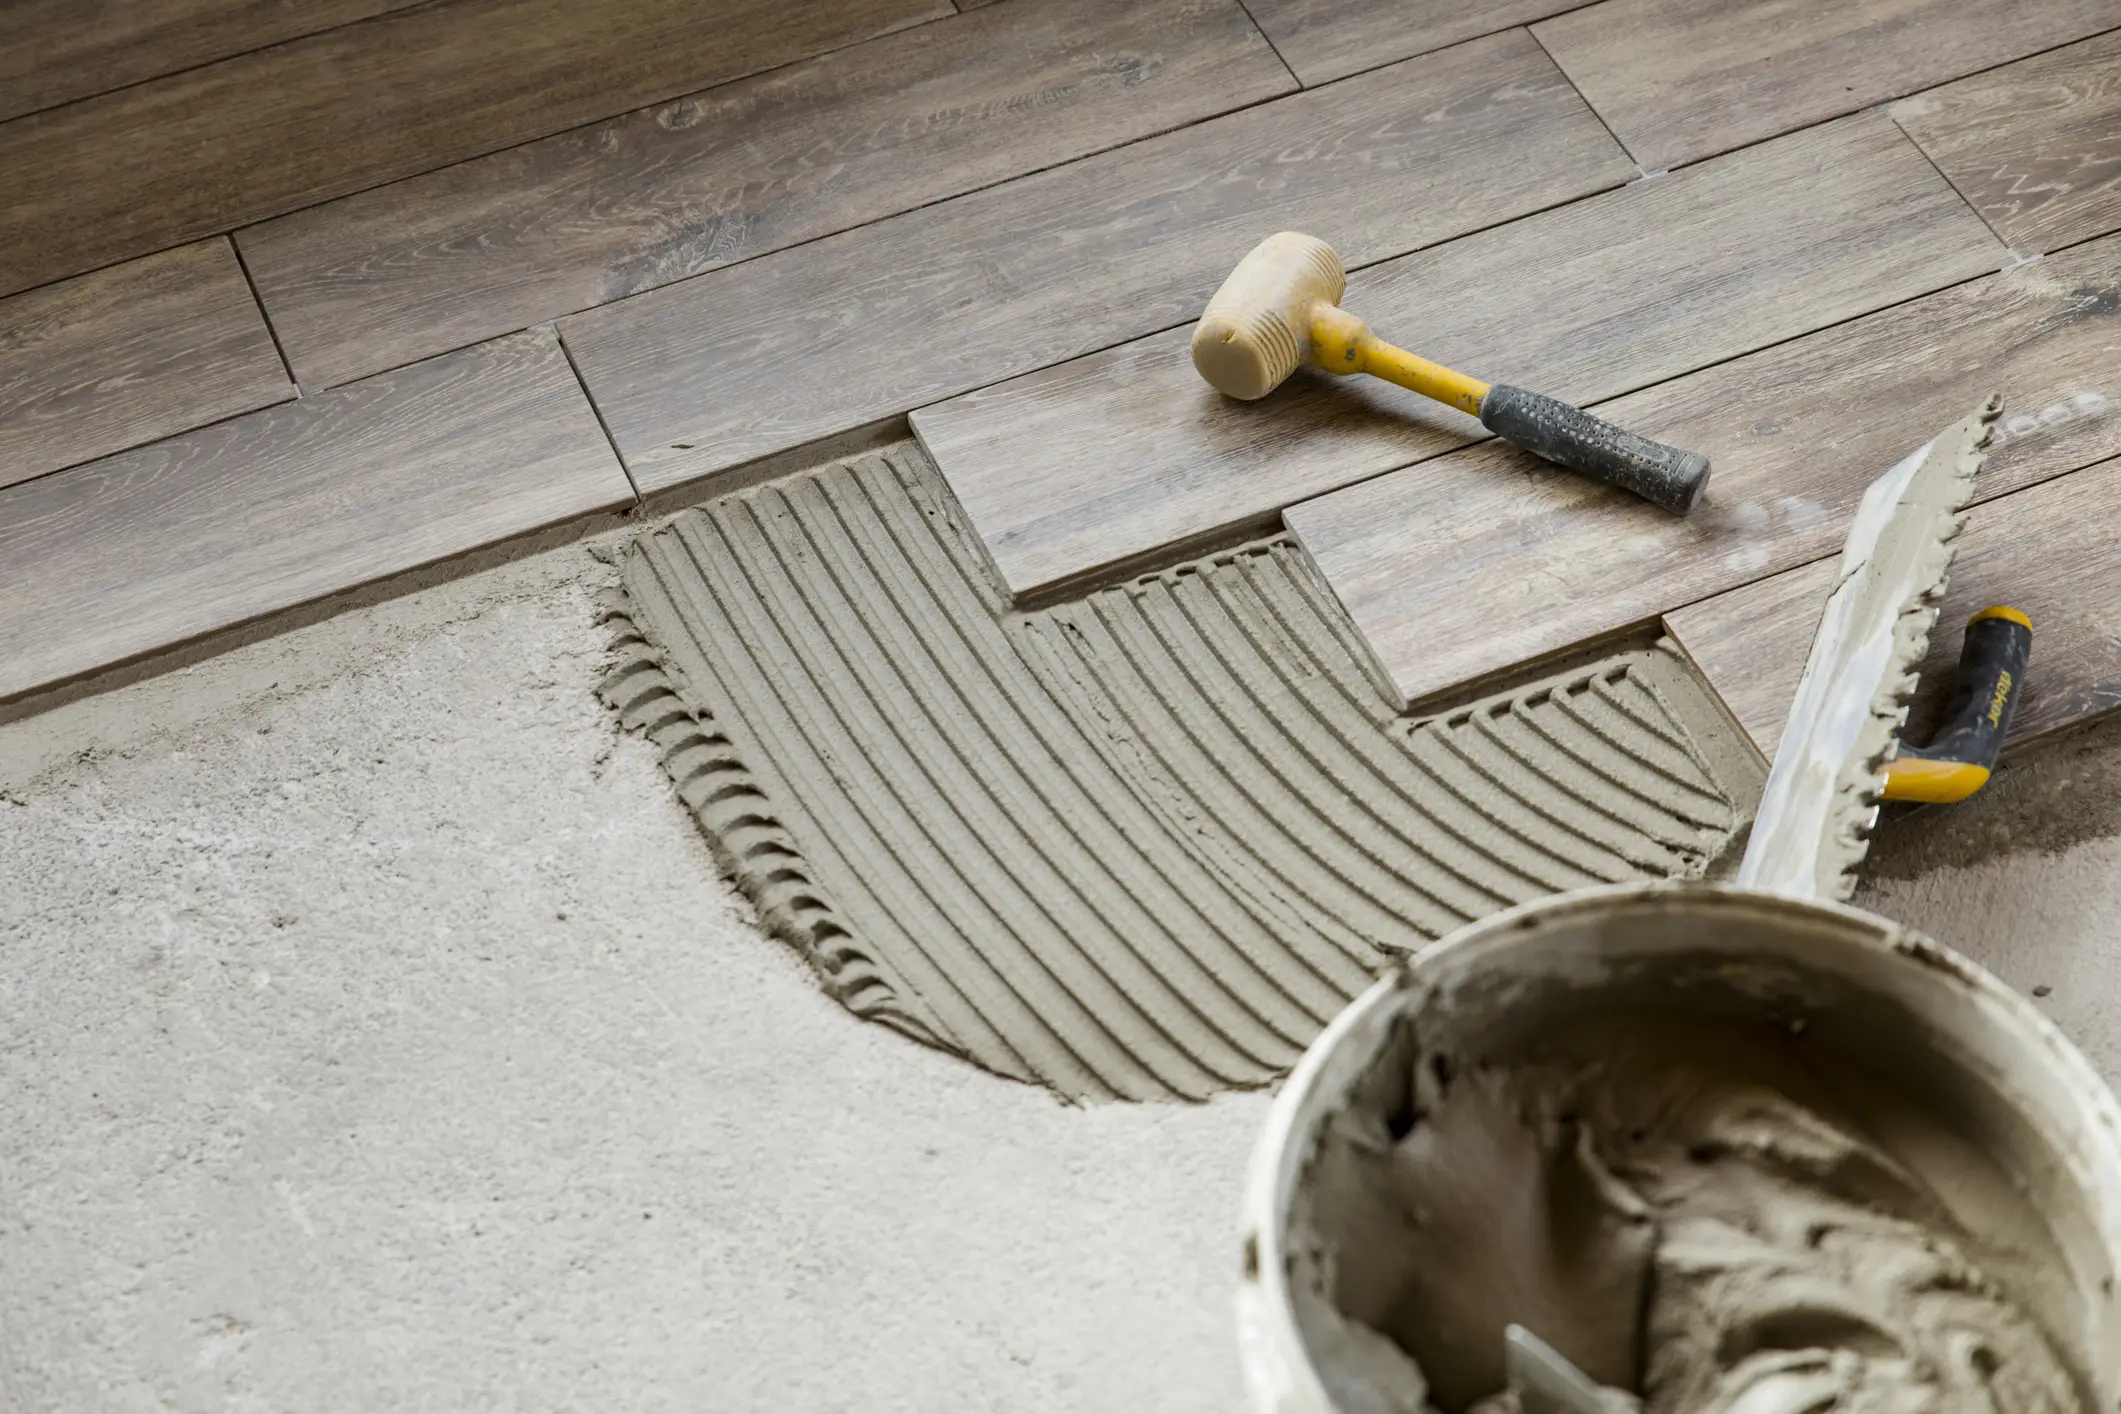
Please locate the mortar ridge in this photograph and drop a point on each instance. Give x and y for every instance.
(790, 903)
(1139, 844)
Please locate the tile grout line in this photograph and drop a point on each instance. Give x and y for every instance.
(1589, 106)
(264, 316)
(595, 411)
(1879, 104)
(207, 426)
(1916, 143)
(2067, 246)
(1261, 30)
(1441, 48)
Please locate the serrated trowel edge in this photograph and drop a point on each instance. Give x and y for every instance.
(1822, 793)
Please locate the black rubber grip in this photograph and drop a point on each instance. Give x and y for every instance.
(1571, 437)
(1992, 665)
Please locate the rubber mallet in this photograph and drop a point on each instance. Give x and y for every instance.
(1281, 307)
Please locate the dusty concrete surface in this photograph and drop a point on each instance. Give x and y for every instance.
(2025, 878)
(354, 1056)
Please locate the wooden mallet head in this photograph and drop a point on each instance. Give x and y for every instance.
(1258, 327)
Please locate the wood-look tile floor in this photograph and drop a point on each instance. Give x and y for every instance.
(291, 303)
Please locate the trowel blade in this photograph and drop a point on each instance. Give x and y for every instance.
(1821, 799)
(1545, 1380)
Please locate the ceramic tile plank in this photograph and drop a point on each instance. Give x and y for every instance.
(139, 552)
(1075, 469)
(143, 350)
(2047, 551)
(1682, 79)
(1754, 662)
(1324, 40)
(417, 267)
(832, 336)
(51, 53)
(1466, 565)
(2035, 145)
(212, 148)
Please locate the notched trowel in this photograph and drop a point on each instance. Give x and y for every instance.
(1822, 793)
(1821, 800)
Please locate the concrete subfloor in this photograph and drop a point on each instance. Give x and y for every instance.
(374, 1035)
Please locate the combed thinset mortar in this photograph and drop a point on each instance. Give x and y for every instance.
(1962, 1091)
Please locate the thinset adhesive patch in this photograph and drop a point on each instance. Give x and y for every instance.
(1140, 845)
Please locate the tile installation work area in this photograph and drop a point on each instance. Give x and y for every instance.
(660, 748)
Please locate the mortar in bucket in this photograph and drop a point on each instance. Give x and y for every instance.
(1726, 1150)
(1957, 1081)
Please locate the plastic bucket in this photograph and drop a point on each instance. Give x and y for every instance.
(2009, 1080)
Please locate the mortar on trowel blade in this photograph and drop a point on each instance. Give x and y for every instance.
(1938, 1091)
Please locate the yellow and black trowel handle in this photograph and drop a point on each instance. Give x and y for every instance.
(1957, 762)
(1280, 308)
